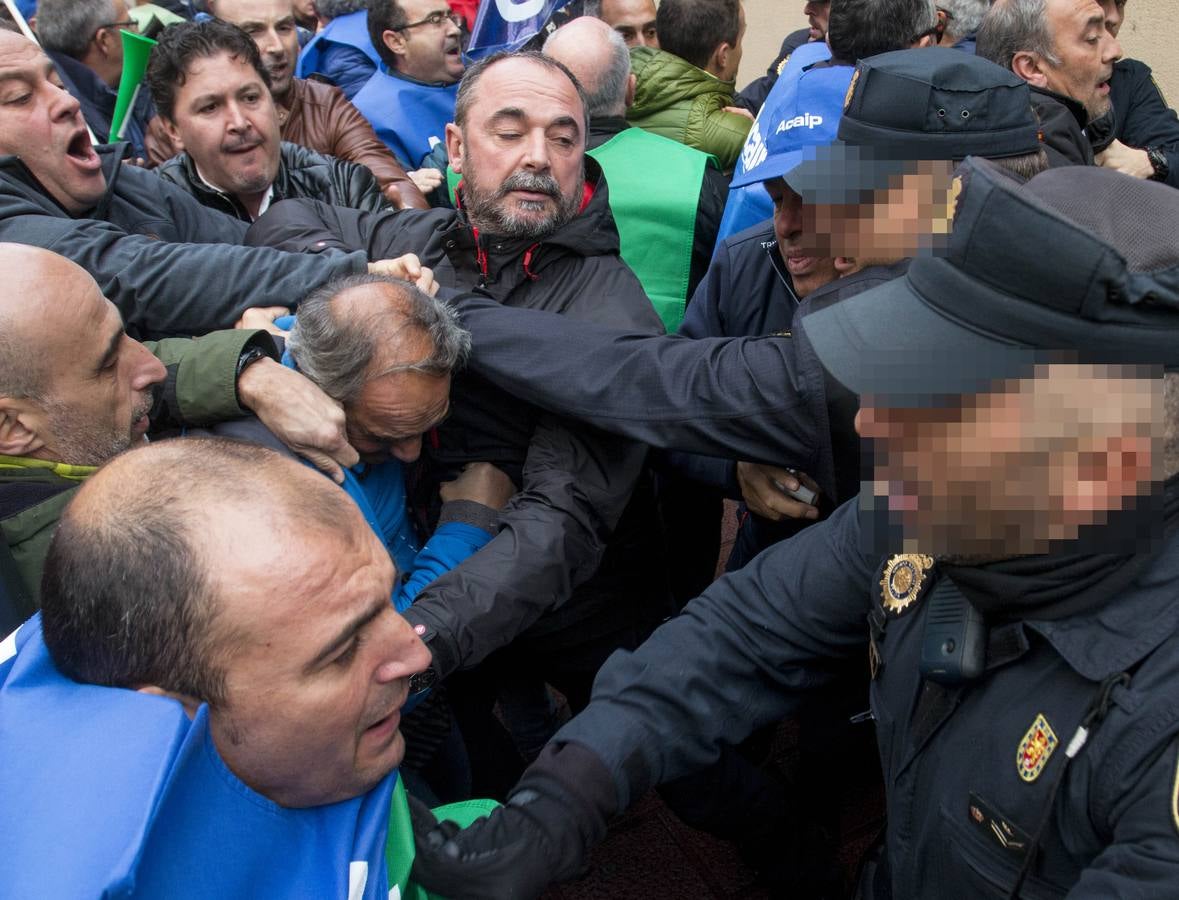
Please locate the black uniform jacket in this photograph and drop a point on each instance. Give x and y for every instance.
(970, 771)
(1142, 117)
(575, 480)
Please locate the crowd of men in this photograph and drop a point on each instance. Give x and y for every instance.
(366, 413)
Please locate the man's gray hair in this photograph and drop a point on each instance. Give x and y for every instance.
(22, 371)
(965, 15)
(1015, 26)
(605, 95)
(341, 346)
(329, 9)
(592, 8)
(67, 26)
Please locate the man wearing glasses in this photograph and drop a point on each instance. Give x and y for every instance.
(410, 98)
(82, 38)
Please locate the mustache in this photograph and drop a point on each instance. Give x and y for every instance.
(528, 181)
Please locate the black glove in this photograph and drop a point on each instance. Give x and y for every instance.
(544, 832)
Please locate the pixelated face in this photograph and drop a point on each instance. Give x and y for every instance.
(1019, 470)
(432, 53)
(817, 13)
(1115, 13)
(1085, 53)
(633, 19)
(910, 216)
(318, 664)
(271, 23)
(392, 413)
(227, 122)
(42, 124)
(521, 151)
(808, 272)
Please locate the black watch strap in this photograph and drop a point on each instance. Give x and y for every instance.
(249, 356)
(1158, 162)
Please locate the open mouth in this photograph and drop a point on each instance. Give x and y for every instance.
(242, 148)
(81, 151)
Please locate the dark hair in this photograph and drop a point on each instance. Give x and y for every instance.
(462, 102)
(692, 29)
(180, 44)
(1025, 166)
(858, 29)
(385, 15)
(332, 8)
(125, 601)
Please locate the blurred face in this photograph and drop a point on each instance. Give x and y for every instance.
(271, 23)
(42, 124)
(392, 413)
(817, 13)
(304, 11)
(912, 215)
(1018, 470)
(99, 394)
(633, 19)
(521, 151)
(1115, 14)
(319, 661)
(808, 272)
(427, 50)
(1086, 52)
(226, 120)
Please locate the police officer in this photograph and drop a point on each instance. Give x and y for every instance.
(1011, 578)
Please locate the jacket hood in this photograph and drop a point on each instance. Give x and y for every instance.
(663, 78)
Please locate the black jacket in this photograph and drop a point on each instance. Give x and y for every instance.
(1062, 124)
(714, 193)
(1142, 117)
(170, 265)
(301, 173)
(754, 95)
(576, 481)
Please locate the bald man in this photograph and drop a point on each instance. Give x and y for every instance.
(647, 174)
(76, 390)
(222, 615)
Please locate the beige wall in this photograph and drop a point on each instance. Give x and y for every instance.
(1149, 34)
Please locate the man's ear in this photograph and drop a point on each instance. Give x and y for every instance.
(926, 40)
(631, 81)
(846, 265)
(108, 40)
(454, 146)
(1030, 67)
(1120, 467)
(718, 62)
(172, 131)
(191, 704)
(395, 41)
(19, 428)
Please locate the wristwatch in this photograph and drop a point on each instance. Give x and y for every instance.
(249, 356)
(1158, 162)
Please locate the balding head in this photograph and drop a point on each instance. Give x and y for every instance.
(74, 388)
(597, 55)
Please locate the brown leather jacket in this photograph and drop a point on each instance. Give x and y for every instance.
(322, 118)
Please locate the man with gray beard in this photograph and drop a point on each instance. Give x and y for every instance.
(533, 229)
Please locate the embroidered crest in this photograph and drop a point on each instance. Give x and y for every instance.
(904, 576)
(851, 89)
(1035, 749)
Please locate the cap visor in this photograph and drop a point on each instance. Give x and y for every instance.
(844, 174)
(889, 342)
(776, 166)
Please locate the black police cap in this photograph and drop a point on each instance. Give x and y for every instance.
(1079, 263)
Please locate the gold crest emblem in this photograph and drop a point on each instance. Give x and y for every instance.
(904, 577)
(1175, 796)
(851, 89)
(1035, 749)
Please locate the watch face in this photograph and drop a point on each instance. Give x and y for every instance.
(1158, 161)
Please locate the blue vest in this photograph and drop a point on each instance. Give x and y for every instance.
(113, 793)
(350, 30)
(749, 204)
(408, 116)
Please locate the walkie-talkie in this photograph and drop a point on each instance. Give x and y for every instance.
(954, 643)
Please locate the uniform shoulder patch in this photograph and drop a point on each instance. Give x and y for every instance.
(851, 90)
(1175, 795)
(1037, 746)
(904, 577)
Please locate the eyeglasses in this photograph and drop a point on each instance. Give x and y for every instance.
(129, 24)
(435, 19)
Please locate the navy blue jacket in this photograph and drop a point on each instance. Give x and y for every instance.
(1143, 118)
(960, 813)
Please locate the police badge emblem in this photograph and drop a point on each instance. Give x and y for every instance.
(1175, 796)
(1037, 746)
(904, 577)
(851, 89)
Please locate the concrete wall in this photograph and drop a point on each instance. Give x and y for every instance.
(1148, 34)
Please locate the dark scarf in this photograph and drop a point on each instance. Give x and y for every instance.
(1058, 586)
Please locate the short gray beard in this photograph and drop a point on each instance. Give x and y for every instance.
(82, 444)
(488, 213)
